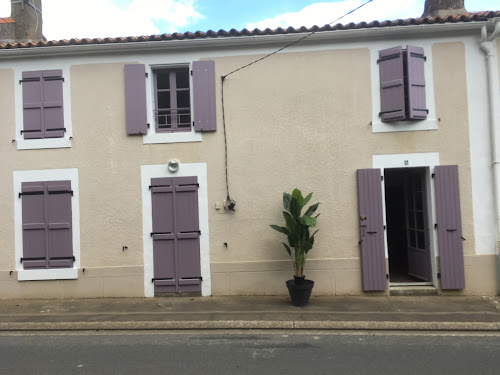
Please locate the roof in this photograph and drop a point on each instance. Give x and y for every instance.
(468, 17)
(6, 20)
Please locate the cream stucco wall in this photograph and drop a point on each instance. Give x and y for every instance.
(297, 119)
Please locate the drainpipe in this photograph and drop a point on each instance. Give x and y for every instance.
(488, 46)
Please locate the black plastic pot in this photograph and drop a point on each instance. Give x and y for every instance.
(300, 293)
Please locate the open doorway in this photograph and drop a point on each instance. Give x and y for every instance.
(407, 226)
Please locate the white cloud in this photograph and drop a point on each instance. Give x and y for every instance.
(65, 19)
(323, 13)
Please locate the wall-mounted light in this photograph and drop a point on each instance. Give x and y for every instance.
(173, 166)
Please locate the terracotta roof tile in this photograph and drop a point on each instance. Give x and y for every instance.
(210, 34)
(6, 20)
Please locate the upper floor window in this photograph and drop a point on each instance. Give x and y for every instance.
(402, 84)
(168, 104)
(43, 115)
(172, 100)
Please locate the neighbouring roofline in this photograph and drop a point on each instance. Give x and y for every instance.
(211, 38)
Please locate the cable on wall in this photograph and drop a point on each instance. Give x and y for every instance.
(229, 204)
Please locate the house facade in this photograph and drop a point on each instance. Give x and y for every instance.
(119, 154)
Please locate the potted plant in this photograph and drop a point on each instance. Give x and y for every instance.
(299, 238)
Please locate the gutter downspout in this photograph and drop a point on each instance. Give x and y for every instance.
(488, 46)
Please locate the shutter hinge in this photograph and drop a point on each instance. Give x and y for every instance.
(153, 233)
(439, 275)
(382, 178)
(148, 125)
(147, 74)
(62, 192)
(197, 185)
(31, 193)
(435, 226)
(384, 227)
(433, 175)
(191, 72)
(387, 276)
(35, 79)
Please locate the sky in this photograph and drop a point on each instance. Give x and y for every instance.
(65, 19)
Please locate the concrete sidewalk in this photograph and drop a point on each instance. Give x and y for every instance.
(428, 313)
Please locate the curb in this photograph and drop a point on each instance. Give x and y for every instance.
(245, 324)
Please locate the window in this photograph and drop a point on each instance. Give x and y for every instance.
(47, 240)
(46, 213)
(402, 84)
(43, 115)
(172, 100)
(182, 103)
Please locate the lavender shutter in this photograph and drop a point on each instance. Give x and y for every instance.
(416, 83)
(53, 117)
(371, 227)
(135, 99)
(392, 93)
(204, 96)
(449, 227)
(34, 225)
(32, 105)
(59, 224)
(162, 200)
(187, 234)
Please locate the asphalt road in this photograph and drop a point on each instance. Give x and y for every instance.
(249, 353)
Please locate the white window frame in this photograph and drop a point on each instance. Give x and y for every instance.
(36, 144)
(431, 122)
(46, 175)
(167, 137)
(185, 170)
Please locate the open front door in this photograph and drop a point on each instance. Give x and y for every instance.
(371, 230)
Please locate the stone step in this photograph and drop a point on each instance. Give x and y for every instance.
(413, 291)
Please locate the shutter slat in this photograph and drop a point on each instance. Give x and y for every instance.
(32, 106)
(416, 83)
(135, 99)
(59, 216)
(449, 227)
(373, 265)
(392, 96)
(34, 226)
(204, 104)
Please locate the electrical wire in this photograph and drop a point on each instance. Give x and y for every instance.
(223, 77)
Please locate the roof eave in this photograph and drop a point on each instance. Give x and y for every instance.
(320, 36)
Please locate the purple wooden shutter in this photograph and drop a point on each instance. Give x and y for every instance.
(392, 93)
(135, 99)
(449, 227)
(417, 109)
(32, 105)
(205, 119)
(187, 234)
(162, 200)
(53, 117)
(59, 224)
(371, 227)
(34, 225)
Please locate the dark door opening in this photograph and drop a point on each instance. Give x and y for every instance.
(407, 225)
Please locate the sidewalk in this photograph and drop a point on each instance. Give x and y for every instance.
(431, 313)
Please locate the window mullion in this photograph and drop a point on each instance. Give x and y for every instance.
(173, 99)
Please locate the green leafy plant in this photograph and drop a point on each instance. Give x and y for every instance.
(297, 227)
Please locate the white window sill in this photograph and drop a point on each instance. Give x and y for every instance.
(38, 144)
(48, 274)
(404, 126)
(181, 137)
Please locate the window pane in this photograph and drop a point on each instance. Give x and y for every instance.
(420, 220)
(163, 100)
(183, 78)
(419, 201)
(420, 240)
(162, 80)
(163, 119)
(411, 219)
(182, 99)
(411, 239)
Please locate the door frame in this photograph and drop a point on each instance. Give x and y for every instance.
(185, 170)
(427, 160)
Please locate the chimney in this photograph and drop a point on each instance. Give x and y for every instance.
(27, 15)
(443, 8)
